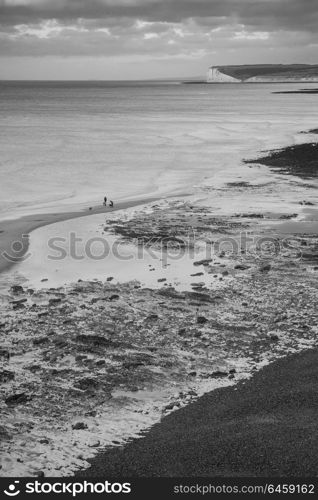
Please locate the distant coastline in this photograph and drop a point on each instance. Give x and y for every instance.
(263, 73)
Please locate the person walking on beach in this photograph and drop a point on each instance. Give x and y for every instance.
(105, 201)
(111, 203)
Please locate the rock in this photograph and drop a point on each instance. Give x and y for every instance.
(60, 341)
(110, 278)
(169, 407)
(203, 262)
(6, 376)
(225, 273)
(201, 320)
(91, 413)
(97, 299)
(132, 364)
(198, 285)
(241, 267)
(43, 313)
(40, 341)
(17, 289)
(100, 362)
(182, 331)
(80, 357)
(306, 203)
(273, 336)
(232, 370)
(114, 297)
(86, 383)
(4, 434)
(18, 302)
(96, 340)
(171, 293)
(152, 317)
(197, 274)
(44, 279)
(17, 399)
(192, 393)
(78, 426)
(161, 280)
(218, 374)
(39, 473)
(265, 268)
(44, 441)
(33, 368)
(54, 300)
(134, 388)
(202, 297)
(94, 444)
(192, 374)
(290, 216)
(4, 353)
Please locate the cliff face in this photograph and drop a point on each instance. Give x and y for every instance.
(215, 75)
(266, 73)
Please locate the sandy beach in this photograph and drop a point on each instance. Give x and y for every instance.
(14, 233)
(201, 314)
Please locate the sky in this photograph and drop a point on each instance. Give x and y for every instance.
(149, 39)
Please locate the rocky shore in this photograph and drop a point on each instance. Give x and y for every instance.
(75, 356)
(264, 427)
(90, 365)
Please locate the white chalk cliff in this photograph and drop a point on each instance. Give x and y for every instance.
(266, 73)
(215, 75)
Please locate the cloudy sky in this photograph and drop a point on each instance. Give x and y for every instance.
(137, 39)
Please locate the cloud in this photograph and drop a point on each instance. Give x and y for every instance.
(228, 29)
(284, 14)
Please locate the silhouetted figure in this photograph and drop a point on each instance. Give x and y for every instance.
(105, 201)
(111, 203)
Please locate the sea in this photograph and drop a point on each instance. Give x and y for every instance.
(69, 144)
(65, 144)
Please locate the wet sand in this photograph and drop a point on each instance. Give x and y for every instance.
(266, 426)
(14, 234)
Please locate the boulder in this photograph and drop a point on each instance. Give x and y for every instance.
(265, 268)
(79, 426)
(201, 320)
(6, 376)
(16, 289)
(218, 374)
(17, 399)
(203, 262)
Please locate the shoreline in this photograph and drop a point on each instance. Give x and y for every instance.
(136, 342)
(252, 429)
(14, 233)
